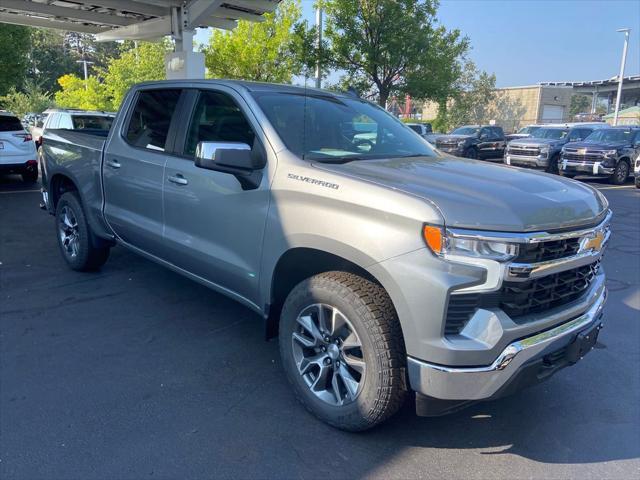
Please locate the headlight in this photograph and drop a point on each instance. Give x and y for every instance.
(461, 143)
(609, 153)
(446, 246)
(544, 149)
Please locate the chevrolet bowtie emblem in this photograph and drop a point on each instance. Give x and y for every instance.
(592, 243)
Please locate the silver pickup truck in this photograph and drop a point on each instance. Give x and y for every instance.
(383, 265)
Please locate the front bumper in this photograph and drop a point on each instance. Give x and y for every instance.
(484, 382)
(586, 168)
(538, 161)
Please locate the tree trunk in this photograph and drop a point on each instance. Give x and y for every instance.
(383, 96)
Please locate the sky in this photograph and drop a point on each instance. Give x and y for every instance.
(529, 41)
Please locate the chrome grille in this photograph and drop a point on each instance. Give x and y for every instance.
(524, 152)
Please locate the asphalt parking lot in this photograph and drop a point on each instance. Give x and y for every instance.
(135, 372)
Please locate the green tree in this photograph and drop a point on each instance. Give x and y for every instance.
(15, 42)
(50, 58)
(144, 63)
(579, 104)
(394, 47)
(89, 95)
(473, 100)
(262, 51)
(33, 99)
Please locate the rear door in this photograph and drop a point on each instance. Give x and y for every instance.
(133, 168)
(213, 227)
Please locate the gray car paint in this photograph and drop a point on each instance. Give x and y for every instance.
(370, 213)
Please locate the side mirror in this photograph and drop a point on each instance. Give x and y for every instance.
(237, 159)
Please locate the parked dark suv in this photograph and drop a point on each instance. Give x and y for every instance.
(474, 141)
(607, 152)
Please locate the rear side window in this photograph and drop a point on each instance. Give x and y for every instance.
(151, 117)
(91, 122)
(10, 124)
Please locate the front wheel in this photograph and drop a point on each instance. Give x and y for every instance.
(620, 174)
(553, 165)
(471, 153)
(74, 236)
(342, 350)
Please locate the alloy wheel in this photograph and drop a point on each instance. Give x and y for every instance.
(69, 232)
(328, 354)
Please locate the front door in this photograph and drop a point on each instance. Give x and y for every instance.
(134, 170)
(214, 228)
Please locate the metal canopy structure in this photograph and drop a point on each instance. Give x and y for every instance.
(140, 20)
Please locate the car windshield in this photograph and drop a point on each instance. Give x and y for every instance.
(338, 128)
(10, 124)
(466, 131)
(91, 122)
(607, 135)
(528, 130)
(551, 133)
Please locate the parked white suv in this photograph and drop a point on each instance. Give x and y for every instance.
(17, 151)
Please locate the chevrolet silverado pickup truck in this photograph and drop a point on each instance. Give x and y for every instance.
(483, 142)
(607, 153)
(383, 266)
(542, 150)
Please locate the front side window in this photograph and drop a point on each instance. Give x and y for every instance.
(151, 118)
(324, 127)
(217, 118)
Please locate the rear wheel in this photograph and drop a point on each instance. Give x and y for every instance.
(342, 350)
(30, 176)
(620, 174)
(74, 235)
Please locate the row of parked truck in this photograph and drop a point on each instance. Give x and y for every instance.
(572, 149)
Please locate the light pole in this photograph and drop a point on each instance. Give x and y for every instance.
(621, 78)
(319, 44)
(84, 63)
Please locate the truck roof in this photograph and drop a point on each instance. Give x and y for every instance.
(250, 86)
(78, 111)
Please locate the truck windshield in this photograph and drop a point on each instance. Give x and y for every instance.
(528, 130)
(466, 131)
(551, 133)
(606, 135)
(325, 128)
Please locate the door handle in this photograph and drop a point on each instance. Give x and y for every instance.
(178, 180)
(113, 163)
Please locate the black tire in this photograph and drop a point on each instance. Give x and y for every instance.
(471, 153)
(80, 253)
(567, 175)
(30, 176)
(637, 182)
(620, 174)
(553, 165)
(368, 309)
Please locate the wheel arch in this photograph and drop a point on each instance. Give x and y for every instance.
(297, 264)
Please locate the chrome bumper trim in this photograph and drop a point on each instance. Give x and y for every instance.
(477, 383)
(528, 271)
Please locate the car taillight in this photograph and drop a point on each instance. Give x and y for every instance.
(28, 138)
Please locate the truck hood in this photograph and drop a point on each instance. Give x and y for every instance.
(598, 145)
(484, 196)
(535, 142)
